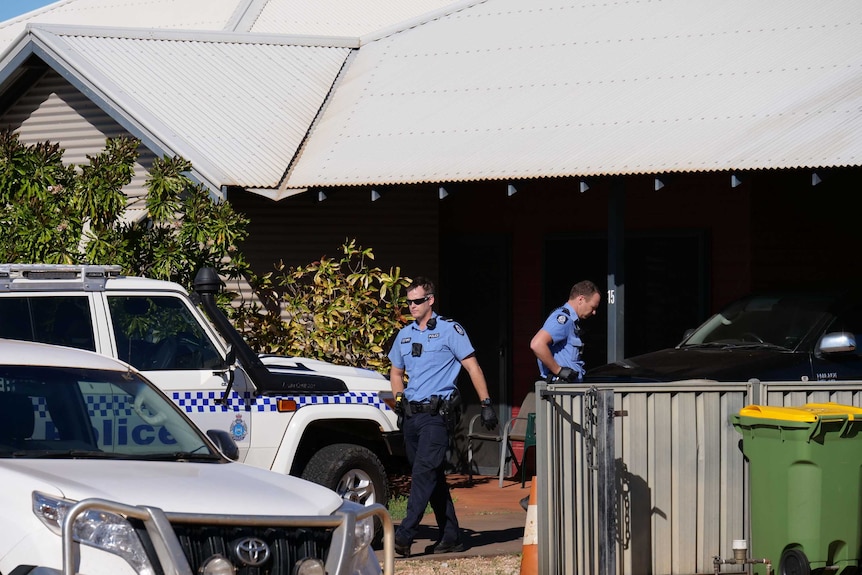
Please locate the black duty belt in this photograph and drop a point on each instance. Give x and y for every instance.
(416, 407)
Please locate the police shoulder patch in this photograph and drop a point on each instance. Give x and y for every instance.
(562, 318)
(459, 329)
(405, 339)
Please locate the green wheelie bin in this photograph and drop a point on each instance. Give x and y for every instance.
(805, 470)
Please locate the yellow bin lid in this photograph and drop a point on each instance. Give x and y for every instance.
(809, 412)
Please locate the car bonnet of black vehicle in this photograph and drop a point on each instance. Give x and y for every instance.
(765, 336)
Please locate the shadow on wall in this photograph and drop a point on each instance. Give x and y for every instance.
(634, 519)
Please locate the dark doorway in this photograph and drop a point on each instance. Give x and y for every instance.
(570, 259)
(474, 288)
(666, 292)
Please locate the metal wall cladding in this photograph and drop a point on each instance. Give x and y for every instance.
(507, 89)
(53, 110)
(681, 485)
(349, 214)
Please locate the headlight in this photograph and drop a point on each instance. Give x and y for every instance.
(363, 561)
(363, 534)
(100, 529)
(217, 565)
(309, 566)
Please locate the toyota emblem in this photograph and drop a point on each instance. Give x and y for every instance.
(252, 551)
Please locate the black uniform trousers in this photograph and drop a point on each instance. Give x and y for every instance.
(426, 440)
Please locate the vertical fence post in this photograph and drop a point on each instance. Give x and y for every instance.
(543, 467)
(605, 461)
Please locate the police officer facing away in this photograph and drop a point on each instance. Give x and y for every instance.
(557, 345)
(431, 351)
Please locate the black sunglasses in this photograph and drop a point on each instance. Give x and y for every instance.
(419, 300)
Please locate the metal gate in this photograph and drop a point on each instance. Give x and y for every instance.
(580, 498)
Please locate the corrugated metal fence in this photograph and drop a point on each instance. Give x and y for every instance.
(649, 479)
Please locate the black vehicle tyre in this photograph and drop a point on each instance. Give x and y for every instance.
(352, 471)
(794, 562)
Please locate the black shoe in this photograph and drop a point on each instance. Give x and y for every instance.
(402, 549)
(445, 547)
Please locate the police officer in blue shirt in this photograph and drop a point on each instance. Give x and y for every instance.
(557, 345)
(431, 351)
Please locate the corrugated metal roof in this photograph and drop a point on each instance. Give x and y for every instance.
(339, 17)
(237, 106)
(477, 89)
(170, 14)
(239, 123)
(514, 89)
(291, 17)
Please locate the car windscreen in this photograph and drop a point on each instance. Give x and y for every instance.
(158, 333)
(780, 320)
(73, 412)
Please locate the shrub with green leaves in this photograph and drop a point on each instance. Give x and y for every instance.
(56, 213)
(341, 310)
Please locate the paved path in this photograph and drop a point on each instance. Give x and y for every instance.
(492, 519)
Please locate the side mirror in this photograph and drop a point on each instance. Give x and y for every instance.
(224, 442)
(230, 358)
(837, 342)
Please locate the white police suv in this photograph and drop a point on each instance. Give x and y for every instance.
(102, 474)
(330, 424)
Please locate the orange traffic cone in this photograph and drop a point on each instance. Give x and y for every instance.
(530, 554)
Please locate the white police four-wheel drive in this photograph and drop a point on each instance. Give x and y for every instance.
(329, 424)
(82, 495)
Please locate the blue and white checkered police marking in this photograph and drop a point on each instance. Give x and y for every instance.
(210, 401)
(108, 406)
(40, 408)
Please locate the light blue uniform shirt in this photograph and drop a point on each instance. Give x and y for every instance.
(435, 371)
(566, 342)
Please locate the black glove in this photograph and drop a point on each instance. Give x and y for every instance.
(567, 374)
(399, 408)
(489, 417)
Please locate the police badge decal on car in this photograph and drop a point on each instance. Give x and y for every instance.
(238, 429)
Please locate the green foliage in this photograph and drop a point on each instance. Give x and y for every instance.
(343, 310)
(53, 213)
(39, 212)
(397, 507)
(340, 310)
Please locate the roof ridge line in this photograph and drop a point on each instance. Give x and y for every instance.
(417, 20)
(183, 35)
(245, 15)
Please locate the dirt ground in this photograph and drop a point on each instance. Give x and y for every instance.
(497, 565)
